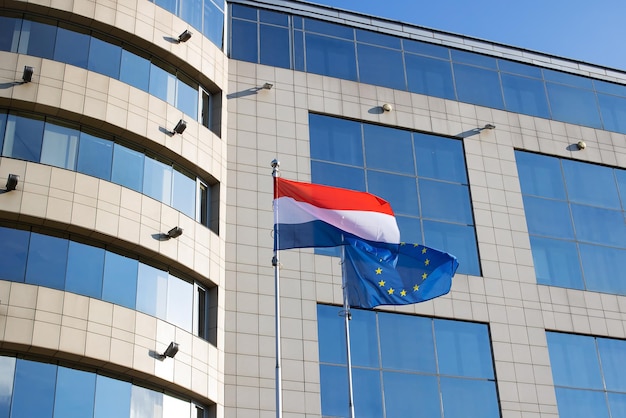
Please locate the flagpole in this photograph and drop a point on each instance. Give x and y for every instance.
(347, 317)
(275, 263)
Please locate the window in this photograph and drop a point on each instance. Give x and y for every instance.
(435, 365)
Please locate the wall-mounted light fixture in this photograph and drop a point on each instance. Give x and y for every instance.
(179, 128)
(581, 145)
(27, 76)
(12, 182)
(489, 126)
(170, 351)
(267, 86)
(185, 36)
(175, 232)
(387, 107)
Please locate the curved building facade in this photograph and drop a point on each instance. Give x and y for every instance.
(136, 225)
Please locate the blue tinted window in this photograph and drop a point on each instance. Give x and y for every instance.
(590, 184)
(478, 86)
(567, 351)
(424, 48)
(95, 156)
(112, 398)
(465, 398)
(370, 37)
(7, 374)
(540, 175)
(213, 23)
(330, 56)
(59, 147)
(400, 191)
(617, 404)
(609, 88)
(127, 167)
(23, 138)
(74, 393)
(33, 381)
(445, 201)
(473, 59)
(388, 149)
(169, 5)
(327, 28)
(104, 58)
(14, 250)
(399, 335)
(440, 158)
(555, 219)
(120, 280)
(71, 47)
(9, 34)
(613, 360)
(275, 18)
(145, 403)
(187, 97)
(556, 262)
(459, 240)
(334, 390)
(37, 39)
(244, 45)
(191, 12)
(84, 270)
(381, 66)
(47, 260)
(179, 299)
(3, 126)
(429, 76)
(152, 291)
(244, 12)
(163, 84)
(411, 228)
(275, 46)
(568, 79)
(331, 336)
(338, 176)
(573, 105)
(518, 68)
(574, 403)
(135, 70)
(461, 349)
(599, 226)
(405, 394)
(184, 193)
(335, 139)
(363, 340)
(525, 95)
(157, 180)
(613, 111)
(298, 50)
(600, 265)
(367, 400)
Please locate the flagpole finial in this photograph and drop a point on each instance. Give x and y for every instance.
(275, 165)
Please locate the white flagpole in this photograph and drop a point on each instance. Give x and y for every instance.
(347, 317)
(275, 263)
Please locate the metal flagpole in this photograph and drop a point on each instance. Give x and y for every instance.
(275, 263)
(347, 317)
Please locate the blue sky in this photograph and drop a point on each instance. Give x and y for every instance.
(592, 31)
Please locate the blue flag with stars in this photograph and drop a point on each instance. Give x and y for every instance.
(380, 276)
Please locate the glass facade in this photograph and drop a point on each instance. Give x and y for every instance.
(587, 374)
(34, 389)
(422, 176)
(102, 273)
(93, 51)
(306, 44)
(207, 16)
(575, 214)
(54, 142)
(406, 366)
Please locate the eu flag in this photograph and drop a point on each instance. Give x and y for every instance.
(379, 276)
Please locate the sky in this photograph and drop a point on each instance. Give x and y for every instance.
(592, 31)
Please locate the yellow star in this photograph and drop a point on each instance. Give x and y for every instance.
(424, 250)
(424, 276)
(390, 291)
(379, 270)
(403, 293)
(427, 262)
(381, 283)
(416, 288)
(402, 243)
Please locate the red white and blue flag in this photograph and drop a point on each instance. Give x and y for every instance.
(312, 215)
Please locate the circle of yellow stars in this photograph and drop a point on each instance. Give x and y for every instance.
(416, 286)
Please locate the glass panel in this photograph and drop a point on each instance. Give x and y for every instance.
(37, 39)
(368, 401)
(478, 86)
(574, 403)
(334, 391)
(157, 180)
(145, 403)
(463, 349)
(388, 149)
(600, 226)
(127, 167)
(609, 88)
(400, 191)
(179, 303)
(71, 47)
(47, 260)
(569, 79)
(23, 138)
(104, 58)
(518, 68)
(162, 84)
(602, 267)
(191, 12)
(244, 41)
(469, 398)
(445, 201)
(95, 156)
(613, 361)
(363, 339)
(174, 407)
(187, 98)
(298, 50)
(473, 59)
(381, 66)
(425, 48)
(613, 110)
(432, 77)
(14, 250)
(327, 28)
(330, 56)
(336, 140)
(9, 34)
(338, 176)
(135, 70)
(331, 335)
(244, 12)
(119, 284)
(410, 229)
(59, 146)
(7, 373)
(375, 38)
(274, 18)
(112, 398)
(406, 394)
(275, 49)
(556, 262)
(84, 270)
(152, 291)
(3, 126)
(169, 5)
(525, 95)
(574, 360)
(399, 337)
(591, 184)
(548, 217)
(440, 158)
(184, 194)
(540, 175)
(573, 105)
(459, 240)
(33, 381)
(75, 392)
(213, 24)
(617, 404)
